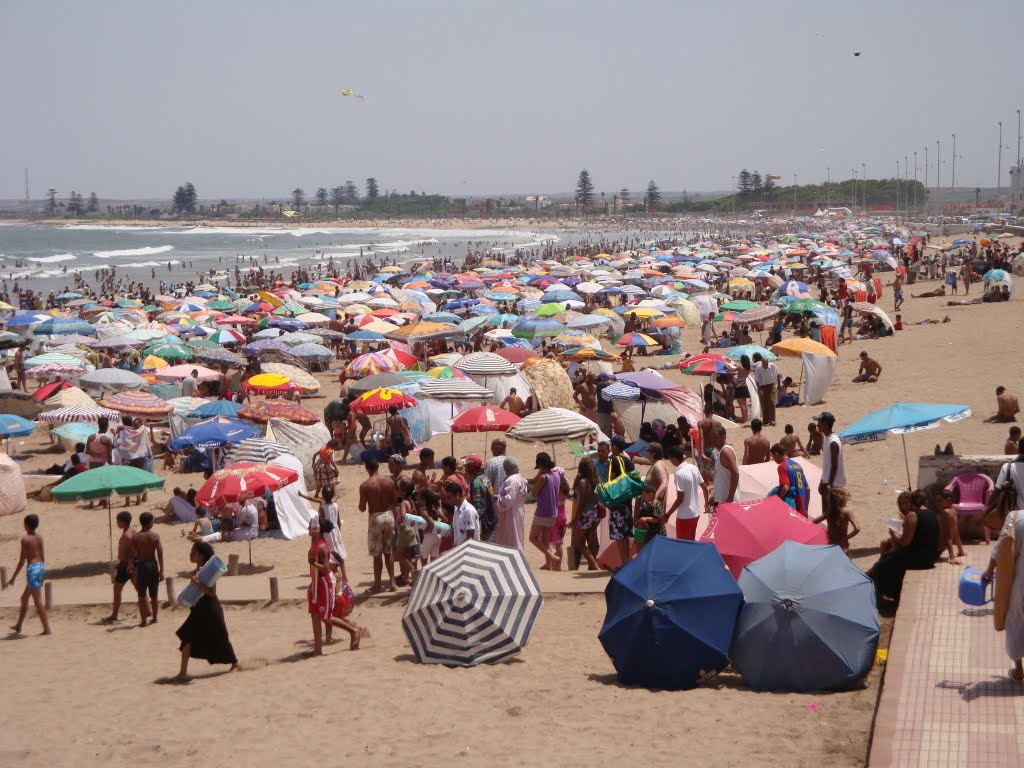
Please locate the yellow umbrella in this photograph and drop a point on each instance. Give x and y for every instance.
(669, 321)
(153, 363)
(796, 346)
(643, 312)
(268, 380)
(741, 282)
(687, 310)
(271, 299)
(4, 306)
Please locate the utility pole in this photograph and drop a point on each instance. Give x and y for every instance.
(734, 198)
(938, 163)
(853, 185)
(26, 182)
(952, 183)
(828, 187)
(897, 191)
(915, 181)
(794, 194)
(926, 167)
(863, 187)
(999, 170)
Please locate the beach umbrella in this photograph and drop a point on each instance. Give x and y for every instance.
(276, 408)
(312, 352)
(209, 408)
(380, 400)
(671, 612)
(749, 350)
(256, 449)
(103, 482)
(76, 413)
(118, 342)
(808, 622)
(372, 363)
(15, 426)
(10, 340)
(142, 404)
(214, 432)
(19, 403)
(796, 346)
(268, 384)
(485, 364)
(453, 389)
(227, 336)
(582, 354)
(899, 419)
(185, 406)
(635, 340)
(867, 308)
(744, 531)
(181, 372)
(423, 331)
(802, 305)
(296, 338)
(244, 480)
(757, 314)
(477, 604)
(306, 383)
(221, 357)
(484, 418)
(114, 380)
(552, 425)
(531, 327)
(63, 325)
(54, 358)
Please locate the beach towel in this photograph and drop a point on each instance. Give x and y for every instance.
(828, 337)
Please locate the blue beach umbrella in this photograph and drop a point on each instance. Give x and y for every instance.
(63, 325)
(217, 408)
(214, 432)
(15, 426)
(901, 418)
(532, 327)
(749, 350)
(671, 615)
(808, 621)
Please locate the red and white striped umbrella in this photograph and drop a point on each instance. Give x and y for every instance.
(245, 480)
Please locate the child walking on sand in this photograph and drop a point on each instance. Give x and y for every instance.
(839, 521)
(35, 574)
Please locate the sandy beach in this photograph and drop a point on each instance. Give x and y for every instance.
(94, 694)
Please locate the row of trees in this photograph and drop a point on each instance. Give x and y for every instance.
(75, 205)
(752, 184)
(585, 196)
(186, 199)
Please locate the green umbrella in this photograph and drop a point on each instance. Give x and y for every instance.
(170, 351)
(204, 344)
(102, 482)
(738, 305)
(220, 305)
(802, 305)
(549, 309)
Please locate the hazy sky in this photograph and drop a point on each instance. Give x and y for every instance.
(133, 98)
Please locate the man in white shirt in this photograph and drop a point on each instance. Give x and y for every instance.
(465, 520)
(833, 474)
(248, 526)
(766, 376)
(688, 484)
(727, 471)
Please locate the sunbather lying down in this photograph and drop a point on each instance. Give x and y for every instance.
(964, 302)
(940, 291)
(932, 322)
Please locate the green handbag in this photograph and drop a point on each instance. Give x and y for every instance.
(621, 490)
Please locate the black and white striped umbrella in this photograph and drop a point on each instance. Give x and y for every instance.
(78, 413)
(477, 604)
(255, 449)
(552, 425)
(485, 364)
(452, 389)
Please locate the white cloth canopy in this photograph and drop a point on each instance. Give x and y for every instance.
(819, 371)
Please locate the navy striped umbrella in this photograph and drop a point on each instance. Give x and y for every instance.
(477, 604)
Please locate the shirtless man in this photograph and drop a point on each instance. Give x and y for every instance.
(792, 443)
(815, 440)
(223, 382)
(1007, 407)
(1010, 446)
(396, 431)
(705, 429)
(585, 396)
(124, 554)
(35, 572)
(423, 476)
(377, 496)
(147, 567)
(940, 291)
(869, 370)
(514, 403)
(756, 448)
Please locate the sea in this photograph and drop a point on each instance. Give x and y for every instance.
(45, 257)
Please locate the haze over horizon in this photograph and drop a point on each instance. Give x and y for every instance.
(243, 98)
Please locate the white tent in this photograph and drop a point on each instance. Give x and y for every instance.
(819, 371)
(293, 512)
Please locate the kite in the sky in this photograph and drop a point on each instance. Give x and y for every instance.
(350, 92)
(856, 53)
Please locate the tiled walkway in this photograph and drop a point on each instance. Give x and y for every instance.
(947, 699)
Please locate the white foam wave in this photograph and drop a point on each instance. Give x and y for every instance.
(149, 264)
(51, 259)
(147, 251)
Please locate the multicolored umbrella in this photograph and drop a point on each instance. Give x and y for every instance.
(264, 411)
(757, 314)
(268, 384)
(306, 383)
(380, 400)
(372, 363)
(187, 406)
(243, 481)
(54, 358)
(142, 404)
(636, 340)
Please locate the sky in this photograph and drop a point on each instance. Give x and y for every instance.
(131, 99)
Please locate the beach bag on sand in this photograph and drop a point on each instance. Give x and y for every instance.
(1002, 501)
(1005, 561)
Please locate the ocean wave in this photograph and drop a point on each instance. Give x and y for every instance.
(148, 264)
(147, 251)
(51, 259)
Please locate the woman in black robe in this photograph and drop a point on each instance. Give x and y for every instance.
(204, 635)
(916, 548)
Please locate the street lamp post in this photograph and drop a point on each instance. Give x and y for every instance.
(734, 197)
(853, 186)
(999, 170)
(938, 163)
(794, 194)
(828, 190)
(915, 181)
(863, 187)
(926, 167)
(897, 191)
(952, 183)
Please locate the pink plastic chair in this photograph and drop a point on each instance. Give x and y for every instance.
(974, 492)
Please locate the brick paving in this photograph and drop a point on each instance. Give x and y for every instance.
(947, 699)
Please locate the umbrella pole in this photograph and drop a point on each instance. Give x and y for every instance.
(250, 551)
(110, 526)
(906, 461)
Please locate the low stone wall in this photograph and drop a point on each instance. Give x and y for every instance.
(940, 470)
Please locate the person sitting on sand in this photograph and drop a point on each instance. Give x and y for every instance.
(514, 403)
(940, 291)
(756, 448)
(814, 440)
(869, 370)
(178, 507)
(1007, 407)
(792, 443)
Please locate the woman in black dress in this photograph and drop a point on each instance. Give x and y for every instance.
(916, 549)
(204, 635)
